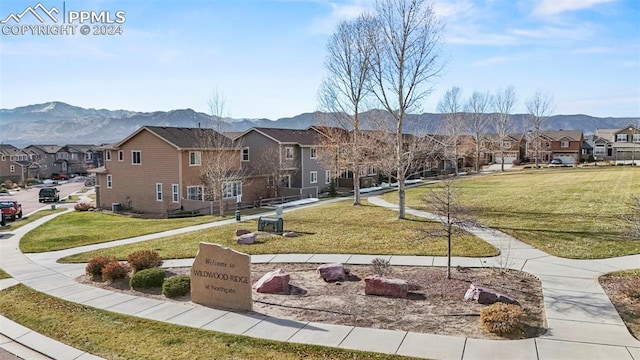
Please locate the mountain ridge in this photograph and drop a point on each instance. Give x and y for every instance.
(62, 123)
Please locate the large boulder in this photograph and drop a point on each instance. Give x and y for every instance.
(249, 238)
(274, 282)
(241, 232)
(379, 285)
(332, 272)
(487, 296)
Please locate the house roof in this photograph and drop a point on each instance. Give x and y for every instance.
(607, 134)
(307, 137)
(49, 149)
(8, 149)
(556, 135)
(83, 148)
(185, 138)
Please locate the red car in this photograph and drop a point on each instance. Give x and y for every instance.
(11, 209)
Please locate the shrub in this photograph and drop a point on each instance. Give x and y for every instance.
(501, 319)
(147, 278)
(96, 264)
(144, 259)
(176, 286)
(381, 266)
(114, 270)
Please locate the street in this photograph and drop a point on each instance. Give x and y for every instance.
(29, 197)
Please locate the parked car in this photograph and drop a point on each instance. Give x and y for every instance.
(556, 162)
(49, 194)
(11, 209)
(56, 176)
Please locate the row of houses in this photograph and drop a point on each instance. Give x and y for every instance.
(159, 169)
(43, 161)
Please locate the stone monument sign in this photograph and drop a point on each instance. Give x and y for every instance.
(221, 277)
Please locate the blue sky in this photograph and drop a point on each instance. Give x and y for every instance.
(267, 57)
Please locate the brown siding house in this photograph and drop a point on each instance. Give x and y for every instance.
(158, 169)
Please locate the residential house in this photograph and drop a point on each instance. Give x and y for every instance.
(160, 169)
(8, 169)
(44, 158)
(80, 158)
(512, 148)
(286, 159)
(565, 145)
(621, 146)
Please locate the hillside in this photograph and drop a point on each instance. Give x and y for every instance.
(61, 123)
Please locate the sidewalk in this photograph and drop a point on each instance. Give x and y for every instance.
(582, 321)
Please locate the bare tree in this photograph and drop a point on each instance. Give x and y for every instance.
(539, 106)
(406, 59)
(343, 93)
(477, 120)
(503, 103)
(451, 108)
(220, 166)
(443, 201)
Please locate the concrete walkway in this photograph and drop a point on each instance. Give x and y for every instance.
(582, 322)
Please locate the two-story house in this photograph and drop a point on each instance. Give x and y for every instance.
(44, 157)
(9, 170)
(565, 145)
(621, 146)
(287, 159)
(511, 148)
(159, 169)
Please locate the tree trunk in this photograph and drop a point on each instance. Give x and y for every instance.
(356, 189)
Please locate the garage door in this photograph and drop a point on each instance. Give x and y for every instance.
(507, 159)
(566, 159)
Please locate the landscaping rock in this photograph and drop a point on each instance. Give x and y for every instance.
(487, 296)
(274, 282)
(241, 232)
(332, 272)
(249, 238)
(379, 285)
(290, 234)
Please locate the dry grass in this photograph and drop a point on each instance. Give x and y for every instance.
(115, 336)
(623, 288)
(336, 228)
(573, 213)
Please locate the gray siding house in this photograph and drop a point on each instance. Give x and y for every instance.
(287, 159)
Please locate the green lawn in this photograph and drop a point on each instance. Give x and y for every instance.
(4, 275)
(337, 228)
(569, 213)
(83, 228)
(115, 336)
(29, 219)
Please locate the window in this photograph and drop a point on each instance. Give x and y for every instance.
(506, 144)
(194, 193)
(107, 155)
(313, 153)
(109, 181)
(175, 194)
(621, 138)
(136, 157)
(313, 177)
(4, 158)
(245, 154)
(231, 189)
(120, 155)
(195, 158)
(288, 153)
(327, 176)
(12, 168)
(598, 150)
(636, 138)
(158, 192)
(564, 144)
(285, 182)
(372, 170)
(87, 156)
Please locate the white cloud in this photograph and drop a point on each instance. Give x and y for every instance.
(340, 11)
(449, 9)
(554, 7)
